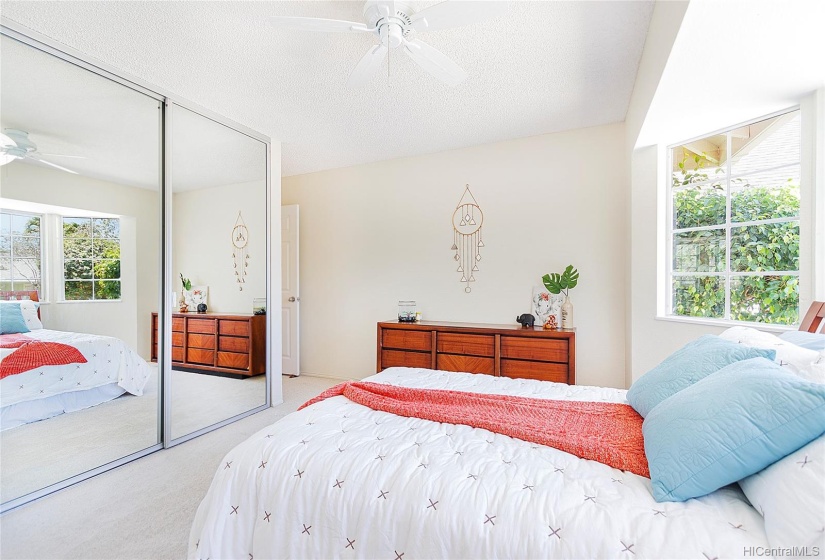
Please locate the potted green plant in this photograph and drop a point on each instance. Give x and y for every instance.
(187, 285)
(562, 284)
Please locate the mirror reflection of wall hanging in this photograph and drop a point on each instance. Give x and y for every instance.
(240, 258)
(467, 220)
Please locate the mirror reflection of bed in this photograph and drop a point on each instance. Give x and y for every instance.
(81, 236)
(218, 180)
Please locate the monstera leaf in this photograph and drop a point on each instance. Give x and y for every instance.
(557, 283)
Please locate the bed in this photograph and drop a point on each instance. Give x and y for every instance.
(341, 480)
(47, 372)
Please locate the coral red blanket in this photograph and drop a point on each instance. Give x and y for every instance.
(610, 433)
(31, 354)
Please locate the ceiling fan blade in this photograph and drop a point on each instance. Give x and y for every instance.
(6, 141)
(386, 8)
(368, 66)
(41, 160)
(317, 24)
(64, 155)
(435, 62)
(454, 13)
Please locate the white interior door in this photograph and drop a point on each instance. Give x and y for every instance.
(290, 298)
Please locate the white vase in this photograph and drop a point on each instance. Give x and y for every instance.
(567, 313)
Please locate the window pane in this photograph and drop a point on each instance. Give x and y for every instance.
(106, 269)
(5, 268)
(765, 247)
(699, 161)
(77, 227)
(699, 206)
(5, 246)
(32, 285)
(78, 290)
(25, 269)
(765, 144)
(25, 225)
(107, 227)
(765, 299)
(77, 248)
(5, 223)
(106, 249)
(107, 289)
(77, 269)
(699, 251)
(773, 194)
(26, 246)
(699, 296)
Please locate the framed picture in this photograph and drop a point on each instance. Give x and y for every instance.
(197, 295)
(545, 304)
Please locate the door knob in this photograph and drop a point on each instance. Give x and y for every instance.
(291, 299)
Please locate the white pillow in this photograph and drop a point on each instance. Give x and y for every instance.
(28, 309)
(795, 359)
(790, 495)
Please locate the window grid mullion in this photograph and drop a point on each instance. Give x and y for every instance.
(728, 167)
(728, 176)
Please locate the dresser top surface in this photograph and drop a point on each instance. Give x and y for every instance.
(447, 325)
(210, 314)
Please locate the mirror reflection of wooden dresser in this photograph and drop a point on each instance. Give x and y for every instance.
(216, 342)
(500, 350)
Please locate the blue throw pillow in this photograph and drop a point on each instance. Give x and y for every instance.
(11, 319)
(811, 341)
(728, 426)
(694, 361)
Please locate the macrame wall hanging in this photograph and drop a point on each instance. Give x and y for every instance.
(467, 220)
(240, 258)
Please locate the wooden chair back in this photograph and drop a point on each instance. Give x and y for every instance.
(813, 320)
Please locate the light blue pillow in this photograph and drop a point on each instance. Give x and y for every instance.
(811, 341)
(11, 319)
(728, 426)
(694, 361)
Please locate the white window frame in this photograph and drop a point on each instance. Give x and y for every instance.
(42, 296)
(92, 280)
(728, 274)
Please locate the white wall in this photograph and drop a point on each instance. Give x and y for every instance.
(374, 234)
(130, 318)
(202, 246)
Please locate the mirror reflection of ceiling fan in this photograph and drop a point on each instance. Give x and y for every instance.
(16, 144)
(395, 23)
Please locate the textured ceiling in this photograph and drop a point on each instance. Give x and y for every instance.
(542, 67)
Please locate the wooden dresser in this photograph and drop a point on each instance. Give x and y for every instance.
(501, 350)
(216, 342)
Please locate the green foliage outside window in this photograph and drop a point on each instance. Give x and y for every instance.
(762, 247)
(91, 258)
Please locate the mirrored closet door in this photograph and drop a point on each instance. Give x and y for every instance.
(79, 270)
(217, 178)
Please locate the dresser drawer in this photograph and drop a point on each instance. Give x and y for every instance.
(398, 358)
(408, 340)
(240, 328)
(233, 360)
(177, 339)
(233, 344)
(471, 364)
(543, 371)
(177, 354)
(177, 324)
(206, 341)
(198, 356)
(542, 349)
(205, 326)
(470, 344)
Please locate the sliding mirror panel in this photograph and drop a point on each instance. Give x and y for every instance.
(80, 235)
(218, 180)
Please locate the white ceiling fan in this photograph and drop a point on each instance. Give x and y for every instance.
(395, 24)
(16, 144)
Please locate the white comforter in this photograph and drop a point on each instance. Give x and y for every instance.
(339, 480)
(109, 360)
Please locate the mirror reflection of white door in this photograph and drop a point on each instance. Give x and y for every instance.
(290, 298)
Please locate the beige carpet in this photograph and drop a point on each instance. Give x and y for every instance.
(143, 509)
(43, 453)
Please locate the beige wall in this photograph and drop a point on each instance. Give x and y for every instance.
(202, 248)
(128, 319)
(374, 234)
